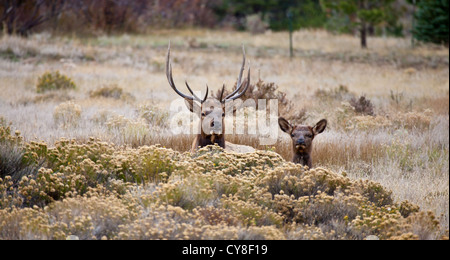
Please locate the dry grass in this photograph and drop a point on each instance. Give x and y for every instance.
(404, 146)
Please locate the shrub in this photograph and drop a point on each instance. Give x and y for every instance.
(362, 106)
(49, 97)
(102, 116)
(67, 114)
(268, 91)
(260, 90)
(413, 120)
(341, 93)
(154, 116)
(130, 131)
(12, 155)
(111, 91)
(96, 190)
(13, 163)
(50, 81)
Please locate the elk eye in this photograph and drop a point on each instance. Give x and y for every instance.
(223, 114)
(309, 136)
(292, 135)
(203, 114)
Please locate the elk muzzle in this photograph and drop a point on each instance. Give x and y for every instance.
(300, 144)
(216, 127)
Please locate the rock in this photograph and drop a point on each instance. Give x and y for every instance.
(237, 148)
(372, 237)
(72, 237)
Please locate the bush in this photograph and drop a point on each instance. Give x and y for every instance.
(341, 93)
(67, 115)
(134, 132)
(154, 116)
(13, 164)
(111, 91)
(268, 91)
(98, 190)
(50, 81)
(362, 106)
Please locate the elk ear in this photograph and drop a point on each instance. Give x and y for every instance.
(320, 127)
(285, 125)
(192, 105)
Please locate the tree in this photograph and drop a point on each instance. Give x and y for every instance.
(305, 13)
(360, 13)
(432, 21)
(21, 16)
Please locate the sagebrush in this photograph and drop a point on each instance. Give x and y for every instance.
(99, 191)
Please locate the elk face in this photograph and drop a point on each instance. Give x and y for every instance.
(212, 117)
(302, 138)
(210, 110)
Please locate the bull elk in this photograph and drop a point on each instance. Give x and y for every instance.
(212, 110)
(302, 138)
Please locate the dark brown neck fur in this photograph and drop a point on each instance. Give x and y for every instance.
(302, 158)
(202, 141)
(207, 140)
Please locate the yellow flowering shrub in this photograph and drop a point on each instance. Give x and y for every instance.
(54, 81)
(97, 190)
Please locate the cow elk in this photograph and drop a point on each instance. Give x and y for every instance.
(302, 138)
(211, 110)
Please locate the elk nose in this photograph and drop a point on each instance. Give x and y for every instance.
(301, 141)
(215, 124)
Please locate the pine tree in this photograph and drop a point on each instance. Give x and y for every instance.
(361, 13)
(305, 13)
(432, 22)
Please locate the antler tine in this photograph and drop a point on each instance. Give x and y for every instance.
(170, 77)
(193, 94)
(245, 88)
(221, 93)
(239, 83)
(206, 95)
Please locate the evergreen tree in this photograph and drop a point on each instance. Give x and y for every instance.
(305, 13)
(360, 13)
(432, 21)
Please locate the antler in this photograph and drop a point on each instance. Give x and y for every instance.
(172, 83)
(195, 96)
(236, 94)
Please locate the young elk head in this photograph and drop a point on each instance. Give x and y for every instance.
(210, 109)
(302, 138)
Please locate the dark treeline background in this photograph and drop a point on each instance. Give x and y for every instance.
(363, 17)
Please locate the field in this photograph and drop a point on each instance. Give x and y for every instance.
(375, 163)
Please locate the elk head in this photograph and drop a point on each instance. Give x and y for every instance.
(211, 110)
(302, 138)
